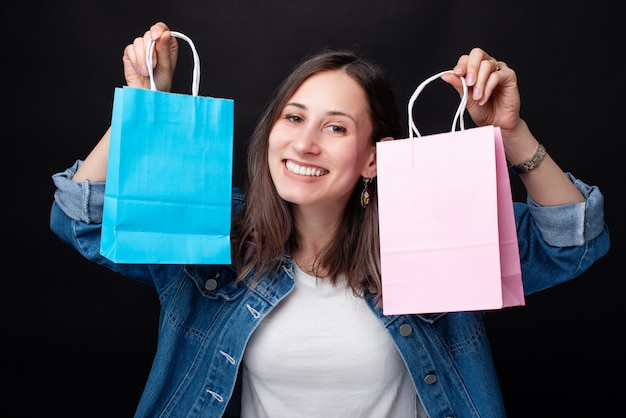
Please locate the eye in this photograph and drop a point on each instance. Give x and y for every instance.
(336, 129)
(293, 118)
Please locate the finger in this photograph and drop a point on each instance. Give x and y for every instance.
(460, 69)
(494, 79)
(161, 35)
(473, 65)
(132, 72)
(469, 66)
(129, 56)
(496, 64)
(138, 51)
(501, 65)
(485, 69)
(157, 32)
(165, 48)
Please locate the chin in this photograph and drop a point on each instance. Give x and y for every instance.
(296, 199)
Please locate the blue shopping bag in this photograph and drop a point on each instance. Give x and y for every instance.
(169, 176)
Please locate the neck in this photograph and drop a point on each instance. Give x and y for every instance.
(314, 231)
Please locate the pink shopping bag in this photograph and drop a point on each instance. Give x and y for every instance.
(447, 230)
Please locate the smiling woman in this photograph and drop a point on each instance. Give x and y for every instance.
(324, 129)
(297, 317)
(327, 114)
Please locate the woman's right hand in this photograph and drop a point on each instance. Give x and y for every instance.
(165, 54)
(164, 57)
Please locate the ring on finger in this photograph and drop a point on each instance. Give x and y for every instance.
(496, 64)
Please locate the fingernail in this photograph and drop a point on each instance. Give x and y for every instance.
(470, 78)
(154, 35)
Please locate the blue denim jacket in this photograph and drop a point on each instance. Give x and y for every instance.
(206, 319)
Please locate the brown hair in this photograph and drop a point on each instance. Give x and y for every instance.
(263, 232)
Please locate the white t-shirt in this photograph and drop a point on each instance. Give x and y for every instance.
(323, 353)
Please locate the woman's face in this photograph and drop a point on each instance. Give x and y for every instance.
(320, 145)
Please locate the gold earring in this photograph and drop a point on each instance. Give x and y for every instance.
(365, 194)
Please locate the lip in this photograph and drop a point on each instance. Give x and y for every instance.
(304, 169)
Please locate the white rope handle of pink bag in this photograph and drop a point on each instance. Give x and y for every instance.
(460, 111)
(195, 82)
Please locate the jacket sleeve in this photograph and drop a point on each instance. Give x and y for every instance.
(76, 218)
(558, 243)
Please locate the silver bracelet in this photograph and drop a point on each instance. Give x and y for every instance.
(531, 164)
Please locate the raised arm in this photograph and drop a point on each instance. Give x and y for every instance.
(136, 74)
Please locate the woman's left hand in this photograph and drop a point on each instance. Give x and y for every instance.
(493, 95)
(494, 99)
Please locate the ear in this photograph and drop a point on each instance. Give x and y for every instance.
(370, 169)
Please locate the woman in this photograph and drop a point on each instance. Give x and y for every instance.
(295, 326)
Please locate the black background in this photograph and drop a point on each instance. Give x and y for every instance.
(78, 339)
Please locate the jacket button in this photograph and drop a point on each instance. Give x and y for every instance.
(430, 379)
(406, 330)
(210, 284)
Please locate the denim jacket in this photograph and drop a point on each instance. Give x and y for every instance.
(206, 319)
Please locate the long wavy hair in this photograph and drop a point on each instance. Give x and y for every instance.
(263, 232)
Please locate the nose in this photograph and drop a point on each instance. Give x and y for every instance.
(307, 141)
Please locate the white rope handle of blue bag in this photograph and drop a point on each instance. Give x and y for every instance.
(195, 82)
(460, 111)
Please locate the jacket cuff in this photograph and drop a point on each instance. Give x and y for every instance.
(571, 224)
(80, 201)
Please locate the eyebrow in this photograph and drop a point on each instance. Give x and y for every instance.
(332, 112)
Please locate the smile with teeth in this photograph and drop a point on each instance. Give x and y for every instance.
(304, 171)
